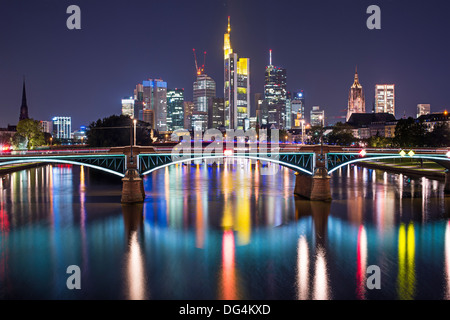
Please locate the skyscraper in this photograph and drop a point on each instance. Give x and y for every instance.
(385, 98)
(356, 99)
(297, 109)
(175, 109)
(236, 85)
(62, 127)
(188, 110)
(154, 103)
(317, 116)
(216, 113)
(128, 107)
(24, 106)
(275, 94)
(204, 92)
(423, 109)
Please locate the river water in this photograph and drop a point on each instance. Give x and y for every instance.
(222, 233)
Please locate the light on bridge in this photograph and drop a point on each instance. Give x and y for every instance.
(228, 153)
(402, 153)
(411, 153)
(362, 153)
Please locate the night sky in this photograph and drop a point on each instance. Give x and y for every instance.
(85, 73)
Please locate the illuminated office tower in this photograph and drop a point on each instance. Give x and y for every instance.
(128, 107)
(317, 116)
(297, 109)
(154, 97)
(275, 94)
(62, 127)
(175, 109)
(423, 109)
(385, 98)
(188, 110)
(236, 85)
(216, 113)
(204, 92)
(356, 100)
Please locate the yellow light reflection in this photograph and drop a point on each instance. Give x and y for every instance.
(406, 279)
(302, 269)
(243, 219)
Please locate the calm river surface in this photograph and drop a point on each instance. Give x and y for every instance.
(222, 233)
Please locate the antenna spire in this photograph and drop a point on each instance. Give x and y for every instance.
(270, 57)
(229, 27)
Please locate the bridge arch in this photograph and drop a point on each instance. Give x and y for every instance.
(284, 164)
(426, 157)
(62, 161)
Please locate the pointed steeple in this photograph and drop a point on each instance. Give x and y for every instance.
(24, 107)
(356, 83)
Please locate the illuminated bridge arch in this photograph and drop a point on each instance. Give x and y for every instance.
(300, 162)
(111, 164)
(337, 161)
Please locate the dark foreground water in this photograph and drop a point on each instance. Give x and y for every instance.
(217, 233)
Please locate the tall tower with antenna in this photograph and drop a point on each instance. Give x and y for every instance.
(236, 85)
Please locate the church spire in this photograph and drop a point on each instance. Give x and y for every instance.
(24, 107)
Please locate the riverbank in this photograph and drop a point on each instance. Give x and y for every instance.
(433, 171)
(17, 167)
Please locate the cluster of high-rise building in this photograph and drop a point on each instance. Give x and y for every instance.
(384, 101)
(166, 109)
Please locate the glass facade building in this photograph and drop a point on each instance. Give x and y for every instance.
(62, 127)
(175, 109)
(236, 85)
(128, 107)
(385, 98)
(297, 109)
(275, 94)
(204, 92)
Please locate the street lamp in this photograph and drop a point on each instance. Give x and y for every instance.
(135, 121)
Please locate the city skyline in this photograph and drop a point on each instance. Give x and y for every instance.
(84, 73)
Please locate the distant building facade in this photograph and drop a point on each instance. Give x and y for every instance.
(275, 93)
(356, 99)
(188, 110)
(385, 98)
(236, 85)
(434, 119)
(317, 116)
(216, 114)
(297, 109)
(423, 109)
(204, 91)
(62, 127)
(366, 125)
(128, 107)
(175, 109)
(46, 126)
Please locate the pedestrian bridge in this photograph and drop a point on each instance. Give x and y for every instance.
(308, 161)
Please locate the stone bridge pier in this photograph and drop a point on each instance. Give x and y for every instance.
(132, 183)
(317, 186)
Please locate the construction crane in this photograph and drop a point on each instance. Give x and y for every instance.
(200, 70)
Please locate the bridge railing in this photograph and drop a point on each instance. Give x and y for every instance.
(57, 152)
